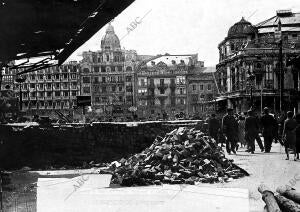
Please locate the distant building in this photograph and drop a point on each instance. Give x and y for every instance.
(47, 90)
(108, 77)
(163, 85)
(201, 91)
(249, 63)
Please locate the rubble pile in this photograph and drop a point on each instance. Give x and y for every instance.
(182, 156)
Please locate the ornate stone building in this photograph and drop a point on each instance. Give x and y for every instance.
(163, 85)
(108, 77)
(248, 72)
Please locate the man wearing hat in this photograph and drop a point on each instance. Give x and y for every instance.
(268, 123)
(230, 130)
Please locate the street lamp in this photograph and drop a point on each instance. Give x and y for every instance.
(20, 81)
(251, 79)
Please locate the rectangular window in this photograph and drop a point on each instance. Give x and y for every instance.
(96, 80)
(73, 93)
(86, 90)
(209, 87)
(143, 82)
(66, 93)
(201, 87)
(86, 79)
(180, 80)
(103, 89)
(57, 93)
(128, 78)
(194, 87)
(104, 79)
(129, 88)
(162, 81)
(120, 88)
(96, 69)
(32, 85)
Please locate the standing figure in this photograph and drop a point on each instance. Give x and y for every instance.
(268, 123)
(230, 131)
(251, 130)
(213, 127)
(241, 135)
(289, 134)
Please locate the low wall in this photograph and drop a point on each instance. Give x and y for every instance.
(72, 145)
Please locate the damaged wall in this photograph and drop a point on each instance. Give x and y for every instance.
(71, 146)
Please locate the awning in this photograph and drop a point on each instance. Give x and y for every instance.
(56, 28)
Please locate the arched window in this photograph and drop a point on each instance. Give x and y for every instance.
(107, 57)
(128, 68)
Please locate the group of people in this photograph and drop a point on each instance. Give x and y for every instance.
(244, 129)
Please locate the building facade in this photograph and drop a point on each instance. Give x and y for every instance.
(165, 86)
(108, 77)
(47, 90)
(250, 59)
(201, 91)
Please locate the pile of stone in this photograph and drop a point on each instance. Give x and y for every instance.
(285, 199)
(182, 156)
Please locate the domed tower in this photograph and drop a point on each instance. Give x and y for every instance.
(241, 29)
(237, 37)
(110, 40)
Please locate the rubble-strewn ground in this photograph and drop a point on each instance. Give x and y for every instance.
(271, 169)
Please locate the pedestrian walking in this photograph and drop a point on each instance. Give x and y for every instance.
(289, 134)
(230, 131)
(251, 130)
(268, 123)
(241, 134)
(298, 136)
(214, 127)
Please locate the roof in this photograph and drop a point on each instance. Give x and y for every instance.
(241, 29)
(209, 69)
(168, 59)
(289, 21)
(33, 28)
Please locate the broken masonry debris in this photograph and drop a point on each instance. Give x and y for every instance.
(183, 156)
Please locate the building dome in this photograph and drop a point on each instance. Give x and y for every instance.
(110, 40)
(242, 28)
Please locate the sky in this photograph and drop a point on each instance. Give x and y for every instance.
(184, 26)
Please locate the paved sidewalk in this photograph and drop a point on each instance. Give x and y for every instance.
(269, 168)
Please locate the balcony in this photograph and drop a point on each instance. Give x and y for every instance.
(65, 79)
(48, 80)
(48, 98)
(40, 98)
(32, 98)
(57, 97)
(66, 107)
(64, 88)
(66, 97)
(162, 86)
(49, 107)
(41, 107)
(56, 88)
(74, 88)
(58, 107)
(48, 89)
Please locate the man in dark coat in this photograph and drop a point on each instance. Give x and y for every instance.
(213, 127)
(230, 130)
(268, 123)
(251, 130)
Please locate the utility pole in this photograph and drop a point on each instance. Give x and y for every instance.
(281, 73)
